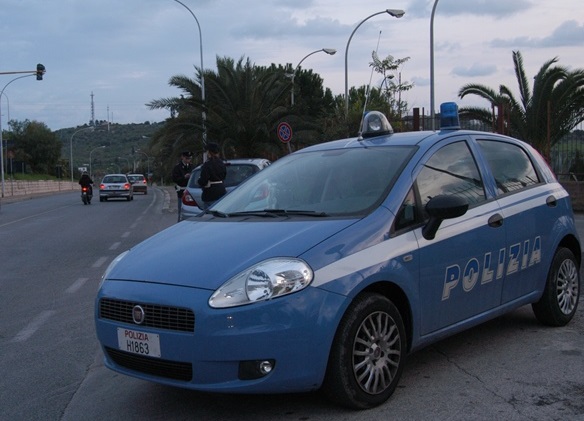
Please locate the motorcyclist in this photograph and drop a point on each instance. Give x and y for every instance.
(86, 181)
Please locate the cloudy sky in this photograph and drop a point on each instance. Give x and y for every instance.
(123, 52)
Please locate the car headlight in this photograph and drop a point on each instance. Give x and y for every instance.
(269, 279)
(110, 267)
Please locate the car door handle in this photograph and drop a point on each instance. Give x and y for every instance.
(496, 220)
(551, 201)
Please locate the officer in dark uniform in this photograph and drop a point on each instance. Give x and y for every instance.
(180, 175)
(213, 173)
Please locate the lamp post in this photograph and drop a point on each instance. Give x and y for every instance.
(127, 163)
(396, 13)
(1, 141)
(71, 148)
(432, 117)
(90, 152)
(203, 114)
(329, 51)
(147, 161)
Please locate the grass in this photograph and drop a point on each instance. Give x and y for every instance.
(33, 177)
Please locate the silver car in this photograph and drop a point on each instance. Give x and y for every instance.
(237, 171)
(139, 183)
(115, 186)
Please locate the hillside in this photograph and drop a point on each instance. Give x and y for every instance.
(126, 147)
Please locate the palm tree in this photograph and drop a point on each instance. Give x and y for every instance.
(244, 104)
(540, 117)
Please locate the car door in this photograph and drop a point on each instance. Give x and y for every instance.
(527, 213)
(461, 272)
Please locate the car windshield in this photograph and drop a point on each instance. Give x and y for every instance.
(338, 182)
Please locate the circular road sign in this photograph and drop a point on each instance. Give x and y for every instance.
(284, 132)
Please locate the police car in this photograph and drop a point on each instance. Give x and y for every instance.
(324, 270)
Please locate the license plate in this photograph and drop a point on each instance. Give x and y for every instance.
(137, 342)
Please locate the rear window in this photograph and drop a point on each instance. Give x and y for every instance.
(236, 174)
(114, 179)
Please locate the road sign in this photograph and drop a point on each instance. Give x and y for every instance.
(284, 132)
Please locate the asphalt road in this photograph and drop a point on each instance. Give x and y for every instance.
(53, 251)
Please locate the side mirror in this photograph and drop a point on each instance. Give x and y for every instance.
(440, 208)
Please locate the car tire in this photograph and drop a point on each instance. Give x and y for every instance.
(367, 355)
(559, 301)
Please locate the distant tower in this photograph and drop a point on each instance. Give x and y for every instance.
(92, 121)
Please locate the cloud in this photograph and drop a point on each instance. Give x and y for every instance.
(474, 70)
(493, 8)
(568, 34)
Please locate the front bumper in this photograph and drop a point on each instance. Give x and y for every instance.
(295, 331)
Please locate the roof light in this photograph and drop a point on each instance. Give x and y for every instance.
(449, 116)
(375, 124)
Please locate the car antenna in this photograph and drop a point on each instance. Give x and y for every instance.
(367, 93)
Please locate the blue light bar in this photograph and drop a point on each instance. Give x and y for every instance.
(449, 116)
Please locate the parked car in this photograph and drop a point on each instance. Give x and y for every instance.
(115, 186)
(139, 183)
(238, 170)
(326, 269)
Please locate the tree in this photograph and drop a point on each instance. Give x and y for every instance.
(389, 69)
(36, 145)
(540, 117)
(244, 104)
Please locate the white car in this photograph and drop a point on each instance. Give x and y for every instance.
(114, 186)
(238, 170)
(139, 183)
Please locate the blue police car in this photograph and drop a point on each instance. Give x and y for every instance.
(324, 270)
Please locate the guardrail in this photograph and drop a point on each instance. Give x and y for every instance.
(22, 188)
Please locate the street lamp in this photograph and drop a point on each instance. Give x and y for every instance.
(329, 51)
(147, 161)
(127, 162)
(204, 115)
(71, 148)
(1, 141)
(432, 118)
(90, 152)
(396, 13)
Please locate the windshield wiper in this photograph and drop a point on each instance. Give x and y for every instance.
(288, 212)
(251, 213)
(216, 213)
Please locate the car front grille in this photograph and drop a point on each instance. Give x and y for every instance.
(156, 316)
(153, 366)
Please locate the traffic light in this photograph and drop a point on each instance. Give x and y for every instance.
(40, 71)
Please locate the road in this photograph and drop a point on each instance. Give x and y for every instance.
(54, 249)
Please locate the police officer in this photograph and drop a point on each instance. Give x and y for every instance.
(180, 175)
(213, 173)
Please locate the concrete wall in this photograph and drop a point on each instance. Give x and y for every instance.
(24, 188)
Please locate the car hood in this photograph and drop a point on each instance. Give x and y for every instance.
(205, 254)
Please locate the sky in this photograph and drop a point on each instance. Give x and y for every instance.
(122, 53)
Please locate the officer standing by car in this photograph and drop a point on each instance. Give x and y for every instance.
(180, 175)
(213, 173)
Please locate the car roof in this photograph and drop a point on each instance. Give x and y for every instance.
(259, 162)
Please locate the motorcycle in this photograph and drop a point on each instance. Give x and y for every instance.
(86, 194)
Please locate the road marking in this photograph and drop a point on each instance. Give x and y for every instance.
(33, 326)
(76, 285)
(126, 234)
(99, 262)
(34, 216)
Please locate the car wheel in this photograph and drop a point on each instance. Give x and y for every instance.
(368, 354)
(559, 301)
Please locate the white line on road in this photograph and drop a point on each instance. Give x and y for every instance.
(115, 245)
(33, 326)
(126, 234)
(99, 262)
(76, 285)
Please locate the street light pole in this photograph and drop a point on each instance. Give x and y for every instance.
(204, 114)
(329, 51)
(147, 161)
(90, 152)
(396, 13)
(432, 117)
(1, 141)
(71, 148)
